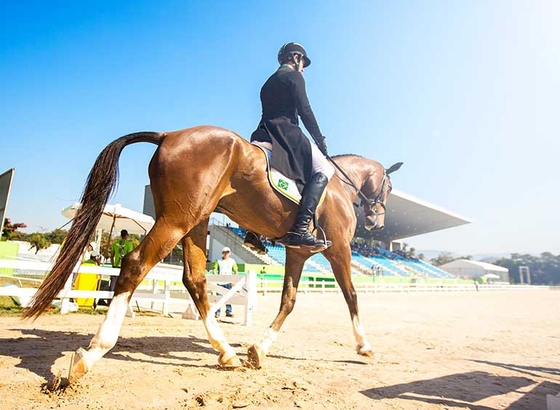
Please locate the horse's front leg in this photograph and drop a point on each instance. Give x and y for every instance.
(194, 279)
(339, 258)
(292, 275)
(135, 266)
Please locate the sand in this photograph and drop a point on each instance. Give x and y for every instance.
(486, 350)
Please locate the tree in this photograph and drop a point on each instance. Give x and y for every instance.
(38, 241)
(544, 269)
(56, 236)
(446, 257)
(442, 259)
(411, 253)
(10, 229)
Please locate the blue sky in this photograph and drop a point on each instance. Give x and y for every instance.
(465, 93)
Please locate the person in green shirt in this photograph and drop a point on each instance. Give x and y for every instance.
(120, 248)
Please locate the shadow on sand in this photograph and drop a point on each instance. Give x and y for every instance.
(39, 349)
(466, 389)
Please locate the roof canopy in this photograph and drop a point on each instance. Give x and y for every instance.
(467, 263)
(409, 216)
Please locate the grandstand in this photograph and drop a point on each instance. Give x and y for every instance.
(385, 263)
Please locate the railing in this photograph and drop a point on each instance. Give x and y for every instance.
(268, 286)
(160, 286)
(163, 285)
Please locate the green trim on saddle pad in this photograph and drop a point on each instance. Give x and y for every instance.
(282, 184)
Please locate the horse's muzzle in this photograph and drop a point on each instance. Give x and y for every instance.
(374, 223)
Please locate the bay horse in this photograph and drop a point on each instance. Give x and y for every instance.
(192, 173)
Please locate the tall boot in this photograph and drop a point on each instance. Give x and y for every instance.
(299, 235)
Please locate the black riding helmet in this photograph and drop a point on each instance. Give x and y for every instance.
(291, 49)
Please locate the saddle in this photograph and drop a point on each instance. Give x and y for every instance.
(279, 182)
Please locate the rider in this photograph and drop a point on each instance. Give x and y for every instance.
(283, 98)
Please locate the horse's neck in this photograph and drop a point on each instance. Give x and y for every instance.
(356, 172)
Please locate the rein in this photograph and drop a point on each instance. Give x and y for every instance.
(365, 199)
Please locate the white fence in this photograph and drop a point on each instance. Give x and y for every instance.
(365, 287)
(165, 288)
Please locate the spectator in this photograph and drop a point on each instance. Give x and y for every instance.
(121, 247)
(90, 248)
(225, 266)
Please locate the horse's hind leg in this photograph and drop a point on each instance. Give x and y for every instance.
(135, 266)
(194, 279)
(294, 267)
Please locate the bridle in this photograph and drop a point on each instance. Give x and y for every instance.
(365, 201)
(378, 198)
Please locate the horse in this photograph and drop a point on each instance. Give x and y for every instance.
(192, 173)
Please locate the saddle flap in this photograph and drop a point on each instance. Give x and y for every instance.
(278, 181)
(281, 183)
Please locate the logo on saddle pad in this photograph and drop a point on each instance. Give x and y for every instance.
(281, 183)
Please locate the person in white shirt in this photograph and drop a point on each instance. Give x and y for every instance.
(225, 266)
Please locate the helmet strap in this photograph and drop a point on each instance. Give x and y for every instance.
(298, 62)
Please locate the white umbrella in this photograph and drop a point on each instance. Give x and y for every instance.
(491, 276)
(116, 218)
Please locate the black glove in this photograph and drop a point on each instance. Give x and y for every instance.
(322, 145)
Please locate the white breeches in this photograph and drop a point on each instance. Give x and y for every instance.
(319, 162)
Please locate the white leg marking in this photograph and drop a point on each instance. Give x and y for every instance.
(217, 338)
(109, 330)
(360, 335)
(269, 338)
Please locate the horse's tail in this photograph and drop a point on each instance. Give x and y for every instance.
(100, 185)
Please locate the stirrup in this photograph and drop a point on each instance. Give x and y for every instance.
(326, 242)
(303, 240)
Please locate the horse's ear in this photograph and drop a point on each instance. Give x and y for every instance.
(393, 168)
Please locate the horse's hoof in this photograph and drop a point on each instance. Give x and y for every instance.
(255, 356)
(78, 366)
(229, 361)
(364, 351)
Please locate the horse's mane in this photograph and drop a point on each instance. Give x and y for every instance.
(346, 155)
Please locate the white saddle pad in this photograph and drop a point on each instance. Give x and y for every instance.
(279, 181)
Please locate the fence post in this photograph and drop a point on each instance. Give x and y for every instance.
(154, 291)
(65, 302)
(251, 302)
(167, 293)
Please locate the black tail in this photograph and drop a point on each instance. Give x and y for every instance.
(100, 185)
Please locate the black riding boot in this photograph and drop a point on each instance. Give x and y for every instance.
(299, 235)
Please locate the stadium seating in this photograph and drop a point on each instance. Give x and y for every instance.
(388, 263)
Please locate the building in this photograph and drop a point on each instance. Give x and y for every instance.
(465, 268)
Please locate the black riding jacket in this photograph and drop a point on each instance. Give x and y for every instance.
(283, 99)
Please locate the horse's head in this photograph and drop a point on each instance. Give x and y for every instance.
(375, 193)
